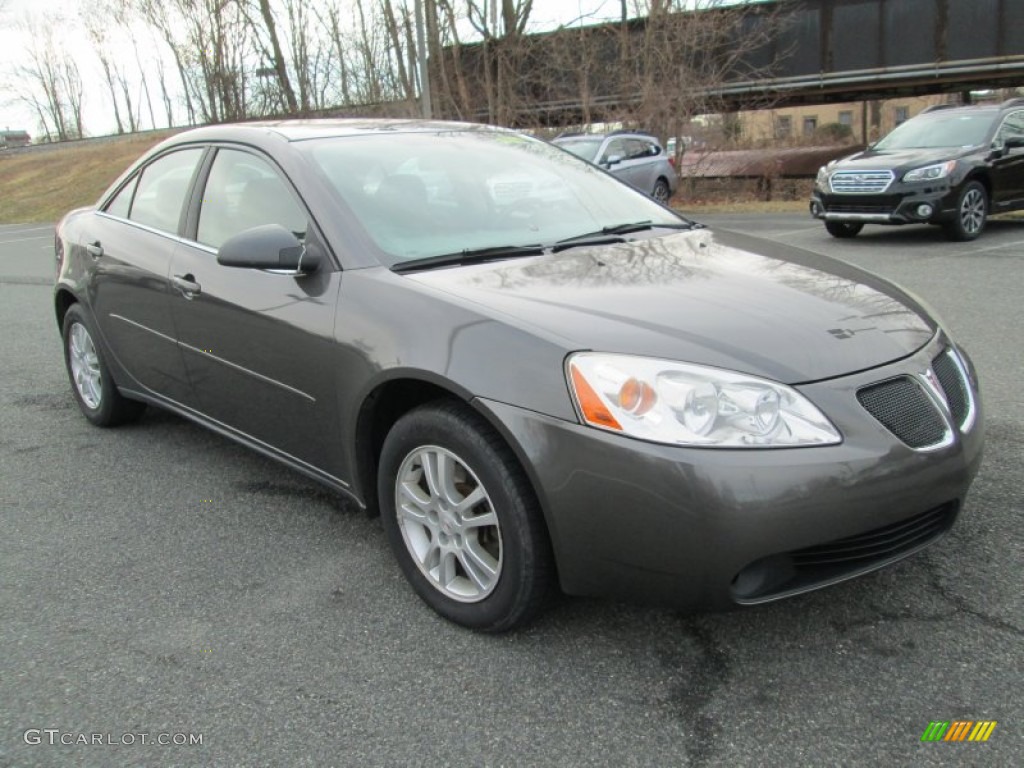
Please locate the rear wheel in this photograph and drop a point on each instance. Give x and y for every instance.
(661, 191)
(94, 389)
(462, 520)
(971, 213)
(843, 228)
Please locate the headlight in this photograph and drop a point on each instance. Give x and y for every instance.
(822, 179)
(683, 404)
(931, 172)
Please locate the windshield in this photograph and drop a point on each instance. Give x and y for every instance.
(420, 195)
(955, 130)
(585, 148)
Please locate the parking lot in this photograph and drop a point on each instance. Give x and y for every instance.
(160, 579)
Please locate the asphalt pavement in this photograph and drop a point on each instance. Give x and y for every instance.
(158, 579)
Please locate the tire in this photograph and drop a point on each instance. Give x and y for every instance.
(492, 575)
(843, 229)
(661, 191)
(91, 383)
(971, 213)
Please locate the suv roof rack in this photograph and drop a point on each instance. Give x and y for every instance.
(570, 134)
(937, 107)
(623, 131)
(1016, 101)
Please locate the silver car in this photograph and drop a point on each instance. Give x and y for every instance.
(636, 158)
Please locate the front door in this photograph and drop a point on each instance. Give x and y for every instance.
(257, 344)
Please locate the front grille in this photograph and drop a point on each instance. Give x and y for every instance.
(879, 544)
(881, 209)
(953, 387)
(905, 410)
(860, 182)
(817, 566)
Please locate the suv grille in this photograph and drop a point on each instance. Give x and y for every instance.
(905, 410)
(860, 182)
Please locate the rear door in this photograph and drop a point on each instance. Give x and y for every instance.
(1008, 170)
(131, 243)
(258, 343)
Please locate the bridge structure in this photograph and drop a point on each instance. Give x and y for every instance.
(819, 51)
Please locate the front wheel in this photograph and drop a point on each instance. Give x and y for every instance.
(94, 389)
(462, 520)
(843, 229)
(971, 213)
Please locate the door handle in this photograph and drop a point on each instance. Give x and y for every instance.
(187, 285)
(94, 249)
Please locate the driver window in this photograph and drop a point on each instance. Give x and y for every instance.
(244, 191)
(616, 147)
(1013, 126)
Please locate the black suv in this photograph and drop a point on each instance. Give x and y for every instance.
(950, 166)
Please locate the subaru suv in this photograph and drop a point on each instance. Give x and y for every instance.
(951, 166)
(636, 158)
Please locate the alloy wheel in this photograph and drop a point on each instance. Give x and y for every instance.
(85, 366)
(972, 211)
(448, 524)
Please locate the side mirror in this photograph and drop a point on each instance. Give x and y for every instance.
(998, 147)
(268, 247)
(612, 160)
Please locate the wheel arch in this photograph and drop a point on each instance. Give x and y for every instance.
(391, 399)
(62, 301)
(982, 177)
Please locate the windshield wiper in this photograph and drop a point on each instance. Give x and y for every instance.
(469, 256)
(608, 235)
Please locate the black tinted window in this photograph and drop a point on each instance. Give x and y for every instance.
(244, 191)
(1013, 126)
(162, 189)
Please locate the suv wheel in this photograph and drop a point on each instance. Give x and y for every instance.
(971, 213)
(843, 228)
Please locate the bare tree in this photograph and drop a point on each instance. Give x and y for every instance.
(210, 43)
(48, 81)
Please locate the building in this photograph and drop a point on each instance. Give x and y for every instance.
(9, 139)
(862, 121)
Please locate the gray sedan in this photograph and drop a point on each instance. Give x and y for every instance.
(636, 158)
(534, 374)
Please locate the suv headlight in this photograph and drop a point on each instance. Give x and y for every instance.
(684, 404)
(931, 172)
(822, 179)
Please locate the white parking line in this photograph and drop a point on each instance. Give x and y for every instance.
(812, 228)
(1014, 244)
(25, 239)
(21, 228)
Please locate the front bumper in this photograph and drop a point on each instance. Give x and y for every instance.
(712, 528)
(900, 204)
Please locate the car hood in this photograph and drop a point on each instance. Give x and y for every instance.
(719, 299)
(898, 159)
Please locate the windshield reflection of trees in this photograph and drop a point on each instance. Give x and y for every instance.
(653, 261)
(672, 259)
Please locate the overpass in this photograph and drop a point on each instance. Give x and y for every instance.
(819, 51)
